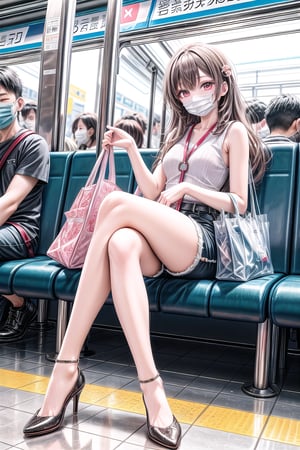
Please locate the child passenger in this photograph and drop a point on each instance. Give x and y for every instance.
(211, 141)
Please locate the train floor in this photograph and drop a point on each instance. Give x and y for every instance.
(202, 380)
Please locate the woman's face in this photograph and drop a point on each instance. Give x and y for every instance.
(83, 134)
(205, 86)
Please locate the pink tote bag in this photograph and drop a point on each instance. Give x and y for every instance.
(71, 244)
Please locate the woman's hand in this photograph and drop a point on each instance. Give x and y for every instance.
(118, 138)
(172, 195)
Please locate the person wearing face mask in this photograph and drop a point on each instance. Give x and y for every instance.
(255, 112)
(28, 116)
(84, 130)
(22, 177)
(169, 230)
(283, 119)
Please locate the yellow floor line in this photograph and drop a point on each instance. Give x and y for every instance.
(209, 416)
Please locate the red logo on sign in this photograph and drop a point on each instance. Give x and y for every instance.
(129, 13)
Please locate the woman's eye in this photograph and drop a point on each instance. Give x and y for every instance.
(207, 85)
(183, 93)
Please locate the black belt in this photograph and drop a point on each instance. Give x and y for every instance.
(196, 208)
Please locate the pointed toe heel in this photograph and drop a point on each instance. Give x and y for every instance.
(169, 437)
(40, 425)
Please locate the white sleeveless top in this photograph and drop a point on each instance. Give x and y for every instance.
(207, 168)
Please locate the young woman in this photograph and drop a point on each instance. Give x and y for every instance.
(84, 130)
(169, 229)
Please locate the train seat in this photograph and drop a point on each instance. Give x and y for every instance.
(52, 210)
(284, 307)
(26, 281)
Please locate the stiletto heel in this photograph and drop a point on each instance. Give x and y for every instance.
(168, 437)
(40, 425)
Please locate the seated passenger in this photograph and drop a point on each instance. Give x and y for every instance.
(84, 130)
(283, 118)
(22, 178)
(28, 116)
(155, 137)
(132, 127)
(255, 112)
(169, 230)
(142, 121)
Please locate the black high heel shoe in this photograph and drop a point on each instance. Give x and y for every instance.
(39, 425)
(168, 437)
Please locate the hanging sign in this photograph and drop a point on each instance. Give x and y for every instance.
(134, 16)
(169, 11)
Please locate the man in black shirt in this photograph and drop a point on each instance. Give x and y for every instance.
(22, 177)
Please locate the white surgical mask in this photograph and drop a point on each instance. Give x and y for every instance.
(29, 124)
(81, 137)
(199, 105)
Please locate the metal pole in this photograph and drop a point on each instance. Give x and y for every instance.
(109, 68)
(151, 105)
(55, 72)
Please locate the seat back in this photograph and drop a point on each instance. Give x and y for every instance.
(276, 199)
(295, 258)
(54, 198)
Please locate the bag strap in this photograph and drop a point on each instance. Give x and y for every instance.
(254, 205)
(13, 146)
(106, 157)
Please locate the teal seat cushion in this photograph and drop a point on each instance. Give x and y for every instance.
(66, 284)
(285, 302)
(189, 297)
(7, 272)
(36, 278)
(246, 301)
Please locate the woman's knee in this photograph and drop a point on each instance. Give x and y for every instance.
(122, 244)
(113, 200)
(112, 203)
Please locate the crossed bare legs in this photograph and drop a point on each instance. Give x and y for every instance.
(132, 237)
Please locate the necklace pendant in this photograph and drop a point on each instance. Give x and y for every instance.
(183, 166)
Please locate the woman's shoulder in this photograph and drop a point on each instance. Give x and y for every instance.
(235, 128)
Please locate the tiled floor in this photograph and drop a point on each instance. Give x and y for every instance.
(203, 382)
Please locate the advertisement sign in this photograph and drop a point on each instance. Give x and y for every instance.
(171, 11)
(134, 16)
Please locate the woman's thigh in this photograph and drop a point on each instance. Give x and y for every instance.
(171, 235)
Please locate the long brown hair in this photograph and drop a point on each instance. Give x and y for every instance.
(183, 70)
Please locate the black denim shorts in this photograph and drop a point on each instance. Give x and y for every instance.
(204, 264)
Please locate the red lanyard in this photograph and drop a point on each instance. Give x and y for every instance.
(184, 165)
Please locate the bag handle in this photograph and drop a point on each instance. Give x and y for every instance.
(254, 205)
(106, 157)
(253, 210)
(253, 200)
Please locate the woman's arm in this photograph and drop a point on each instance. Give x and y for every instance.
(150, 184)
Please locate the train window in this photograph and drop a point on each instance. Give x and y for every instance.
(264, 53)
(83, 88)
(29, 74)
